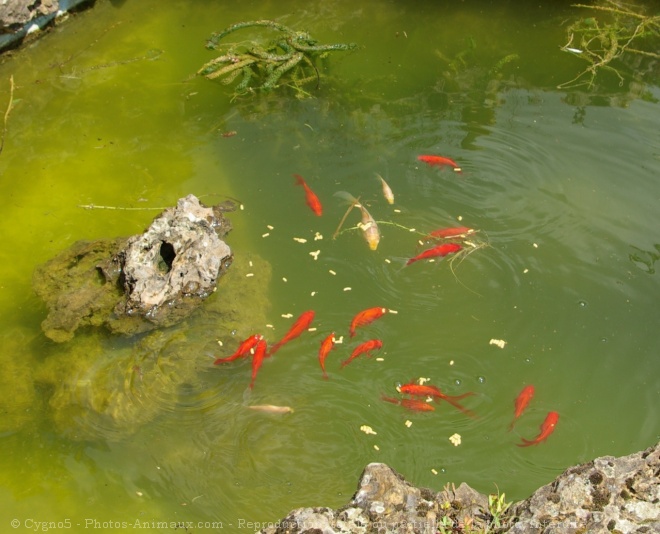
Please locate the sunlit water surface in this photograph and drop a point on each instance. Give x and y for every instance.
(562, 188)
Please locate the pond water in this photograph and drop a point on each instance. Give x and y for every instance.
(561, 186)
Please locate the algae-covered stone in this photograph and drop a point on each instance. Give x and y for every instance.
(110, 387)
(78, 287)
(134, 285)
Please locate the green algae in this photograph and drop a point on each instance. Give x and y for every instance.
(111, 387)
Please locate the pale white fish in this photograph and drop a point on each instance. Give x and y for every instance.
(387, 191)
(271, 408)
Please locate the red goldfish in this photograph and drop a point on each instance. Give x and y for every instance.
(547, 428)
(451, 232)
(418, 390)
(364, 348)
(365, 317)
(301, 324)
(258, 359)
(243, 349)
(312, 200)
(521, 402)
(440, 250)
(413, 405)
(439, 161)
(326, 346)
(387, 192)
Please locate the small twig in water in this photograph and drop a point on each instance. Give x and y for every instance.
(9, 105)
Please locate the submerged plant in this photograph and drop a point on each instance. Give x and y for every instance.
(290, 59)
(599, 43)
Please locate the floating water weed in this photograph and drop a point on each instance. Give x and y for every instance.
(288, 60)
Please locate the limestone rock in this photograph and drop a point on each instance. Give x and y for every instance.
(620, 495)
(607, 495)
(16, 13)
(133, 285)
(175, 264)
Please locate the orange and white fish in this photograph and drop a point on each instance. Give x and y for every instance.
(368, 224)
(440, 250)
(312, 200)
(326, 346)
(547, 428)
(413, 405)
(365, 317)
(457, 231)
(243, 349)
(521, 402)
(364, 348)
(387, 192)
(440, 161)
(301, 324)
(419, 390)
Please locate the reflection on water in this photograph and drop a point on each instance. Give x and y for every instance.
(567, 210)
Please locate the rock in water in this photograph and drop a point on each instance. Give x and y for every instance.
(173, 265)
(132, 285)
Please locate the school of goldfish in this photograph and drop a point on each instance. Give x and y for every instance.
(415, 396)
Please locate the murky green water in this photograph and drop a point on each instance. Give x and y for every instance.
(562, 186)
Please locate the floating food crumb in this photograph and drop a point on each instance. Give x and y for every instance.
(459, 218)
(499, 342)
(268, 326)
(332, 272)
(380, 359)
(347, 289)
(408, 423)
(340, 340)
(434, 471)
(300, 239)
(412, 230)
(422, 380)
(287, 315)
(420, 242)
(265, 235)
(270, 227)
(313, 293)
(139, 493)
(397, 211)
(525, 271)
(315, 254)
(376, 447)
(387, 260)
(393, 311)
(535, 245)
(368, 430)
(249, 274)
(451, 362)
(250, 263)
(284, 279)
(312, 329)
(317, 236)
(455, 439)
(241, 207)
(220, 342)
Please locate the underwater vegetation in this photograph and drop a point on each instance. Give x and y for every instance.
(290, 59)
(623, 32)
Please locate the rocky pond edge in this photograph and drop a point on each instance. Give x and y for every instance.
(608, 494)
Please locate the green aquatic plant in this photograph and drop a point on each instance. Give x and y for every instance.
(289, 59)
(625, 32)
